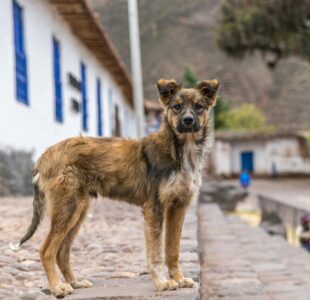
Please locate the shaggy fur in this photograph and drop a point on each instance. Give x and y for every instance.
(160, 173)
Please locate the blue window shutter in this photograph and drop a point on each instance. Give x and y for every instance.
(99, 108)
(84, 98)
(111, 112)
(57, 82)
(20, 55)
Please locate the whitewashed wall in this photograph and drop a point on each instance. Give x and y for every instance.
(283, 152)
(221, 157)
(34, 127)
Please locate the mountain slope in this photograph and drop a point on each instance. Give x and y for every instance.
(180, 33)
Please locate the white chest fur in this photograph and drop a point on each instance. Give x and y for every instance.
(183, 185)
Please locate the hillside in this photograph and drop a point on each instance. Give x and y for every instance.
(180, 33)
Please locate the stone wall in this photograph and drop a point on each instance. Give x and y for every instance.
(15, 172)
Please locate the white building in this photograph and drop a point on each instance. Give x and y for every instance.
(59, 76)
(260, 153)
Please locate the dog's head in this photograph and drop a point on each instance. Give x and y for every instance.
(187, 110)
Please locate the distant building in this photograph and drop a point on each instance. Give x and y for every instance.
(153, 110)
(59, 75)
(260, 153)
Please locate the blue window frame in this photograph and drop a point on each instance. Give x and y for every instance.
(84, 98)
(111, 110)
(99, 108)
(20, 55)
(57, 81)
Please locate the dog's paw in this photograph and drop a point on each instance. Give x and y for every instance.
(164, 285)
(187, 283)
(81, 284)
(62, 289)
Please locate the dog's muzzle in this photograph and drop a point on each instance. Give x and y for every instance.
(188, 123)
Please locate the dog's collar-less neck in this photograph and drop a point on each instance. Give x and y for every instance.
(179, 144)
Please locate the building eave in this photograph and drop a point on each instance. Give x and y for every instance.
(88, 29)
(241, 136)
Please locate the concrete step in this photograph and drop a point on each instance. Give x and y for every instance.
(226, 273)
(282, 269)
(243, 262)
(140, 288)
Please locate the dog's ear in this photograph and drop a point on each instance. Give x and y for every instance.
(208, 89)
(167, 89)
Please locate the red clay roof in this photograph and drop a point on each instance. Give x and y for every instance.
(91, 33)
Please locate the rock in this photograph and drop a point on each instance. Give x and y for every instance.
(4, 293)
(123, 275)
(28, 284)
(226, 195)
(273, 224)
(30, 296)
(6, 278)
(20, 266)
(6, 260)
(93, 270)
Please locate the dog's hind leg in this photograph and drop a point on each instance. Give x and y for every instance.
(65, 215)
(174, 219)
(153, 236)
(63, 254)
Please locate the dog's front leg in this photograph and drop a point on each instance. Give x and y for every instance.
(153, 235)
(174, 222)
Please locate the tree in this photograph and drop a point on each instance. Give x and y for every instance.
(220, 107)
(276, 28)
(189, 77)
(244, 117)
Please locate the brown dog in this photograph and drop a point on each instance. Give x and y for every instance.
(160, 173)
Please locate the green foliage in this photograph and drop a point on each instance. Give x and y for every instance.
(308, 141)
(220, 108)
(189, 77)
(244, 117)
(276, 28)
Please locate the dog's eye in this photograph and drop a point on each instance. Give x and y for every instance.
(198, 107)
(177, 107)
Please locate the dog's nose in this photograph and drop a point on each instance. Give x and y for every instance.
(188, 121)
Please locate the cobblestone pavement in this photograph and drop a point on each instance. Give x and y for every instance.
(240, 262)
(109, 251)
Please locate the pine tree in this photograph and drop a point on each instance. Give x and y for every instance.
(189, 78)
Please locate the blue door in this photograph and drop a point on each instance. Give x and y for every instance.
(247, 161)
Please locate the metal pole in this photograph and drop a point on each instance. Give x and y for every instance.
(136, 65)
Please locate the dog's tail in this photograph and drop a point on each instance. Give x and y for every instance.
(38, 213)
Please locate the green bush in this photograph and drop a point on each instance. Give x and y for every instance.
(244, 117)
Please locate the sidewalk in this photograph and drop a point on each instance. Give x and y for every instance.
(109, 251)
(240, 262)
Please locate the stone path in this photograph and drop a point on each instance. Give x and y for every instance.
(109, 251)
(240, 262)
